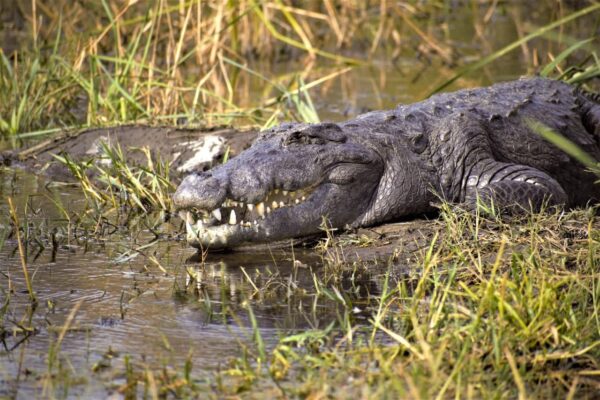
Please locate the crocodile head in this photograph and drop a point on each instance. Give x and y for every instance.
(283, 186)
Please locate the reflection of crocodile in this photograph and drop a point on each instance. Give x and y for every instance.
(388, 164)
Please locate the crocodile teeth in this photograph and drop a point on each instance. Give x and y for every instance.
(232, 218)
(297, 201)
(268, 209)
(285, 192)
(260, 208)
(250, 207)
(217, 213)
(281, 204)
(274, 205)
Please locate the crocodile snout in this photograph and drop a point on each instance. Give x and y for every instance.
(201, 191)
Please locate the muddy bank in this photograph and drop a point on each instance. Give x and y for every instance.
(186, 150)
(396, 242)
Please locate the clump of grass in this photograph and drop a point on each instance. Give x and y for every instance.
(36, 95)
(181, 62)
(99, 63)
(108, 181)
(489, 309)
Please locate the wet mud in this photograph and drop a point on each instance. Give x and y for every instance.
(186, 150)
(397, 242)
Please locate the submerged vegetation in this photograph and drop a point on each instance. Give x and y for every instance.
(472, 306)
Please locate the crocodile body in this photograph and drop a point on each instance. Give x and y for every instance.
(467, 146)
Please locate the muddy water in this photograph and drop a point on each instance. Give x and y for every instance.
(129, 305)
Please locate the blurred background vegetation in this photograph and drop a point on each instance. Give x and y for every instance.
(66, 63)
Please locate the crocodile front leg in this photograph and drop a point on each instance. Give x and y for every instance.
(512, 187)
(462, 153)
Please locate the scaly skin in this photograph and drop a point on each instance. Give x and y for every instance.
(384, 165)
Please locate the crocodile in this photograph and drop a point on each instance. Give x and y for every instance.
(473, 146)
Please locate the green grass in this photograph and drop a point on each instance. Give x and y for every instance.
(109, 180)
(488, 310)
(164, 63)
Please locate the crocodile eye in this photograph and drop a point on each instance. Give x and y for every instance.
(342, 174)
(299, 137)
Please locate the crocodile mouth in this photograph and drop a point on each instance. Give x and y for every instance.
(234, 220)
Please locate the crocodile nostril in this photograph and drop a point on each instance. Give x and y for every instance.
(204, 174)
(199, 190)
